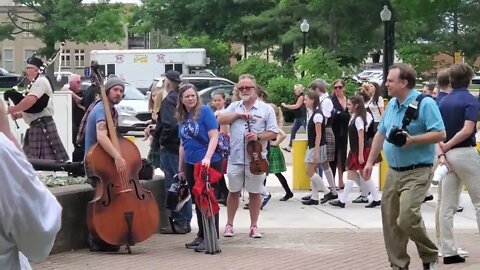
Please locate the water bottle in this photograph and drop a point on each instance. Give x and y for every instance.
(439, 173)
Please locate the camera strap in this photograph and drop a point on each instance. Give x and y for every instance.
(412, 111)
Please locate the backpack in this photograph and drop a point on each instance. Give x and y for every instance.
(223, 146)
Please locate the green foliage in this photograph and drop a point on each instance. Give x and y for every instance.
(6, 31)
(217, 50)
(319, 64)
(68, 20)
(420, 56)
(280, 89)
(261, 69)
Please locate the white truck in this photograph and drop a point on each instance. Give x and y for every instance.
(139, 67)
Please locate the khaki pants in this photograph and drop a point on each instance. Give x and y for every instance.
(465, 165)
(402, 198)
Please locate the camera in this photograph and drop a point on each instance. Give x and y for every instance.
(397, 136)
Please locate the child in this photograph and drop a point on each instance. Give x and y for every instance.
(275, 156)
(359, 151)
(218, 104)
(316, 150)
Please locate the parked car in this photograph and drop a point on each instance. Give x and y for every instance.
(206, 95)
(367, 74)
(133, 114)
(8, 79)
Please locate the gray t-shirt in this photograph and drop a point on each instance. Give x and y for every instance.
(263, 120)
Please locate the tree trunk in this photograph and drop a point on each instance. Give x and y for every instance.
(333, 37)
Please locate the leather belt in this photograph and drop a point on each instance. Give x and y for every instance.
(411, 167)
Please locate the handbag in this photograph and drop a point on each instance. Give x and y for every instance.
(178, 194)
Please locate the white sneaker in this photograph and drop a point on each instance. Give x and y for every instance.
(460, 252)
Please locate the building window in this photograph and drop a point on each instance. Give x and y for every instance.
(79, 58)
(8, 59)
(27, 26)
(28, 54)
(65, 61)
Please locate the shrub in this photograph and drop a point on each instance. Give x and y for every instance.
(261, 69)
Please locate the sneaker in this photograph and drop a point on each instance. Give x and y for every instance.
(228, 231)
(360, 199)
(194, 243)
(265, 200)
(254, 233)
(337, 203)
(430, 266)
(373, 204)
(328, 197)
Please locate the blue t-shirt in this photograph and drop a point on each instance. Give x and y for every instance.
(440, 96)
(429, 119)
(456, 108)
(194, 136)
(96, 115)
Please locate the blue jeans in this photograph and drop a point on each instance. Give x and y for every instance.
(297, 123)
(169, 166)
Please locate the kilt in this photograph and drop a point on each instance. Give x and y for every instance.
(276, 161)
(154, 156)
(352, 160)
(42, 141)
(330, 144)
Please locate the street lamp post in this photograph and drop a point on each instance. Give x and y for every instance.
(386, 16)
(304, 27)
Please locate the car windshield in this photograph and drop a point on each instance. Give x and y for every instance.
(132, 93)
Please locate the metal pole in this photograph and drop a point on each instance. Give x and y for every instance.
(303, 49)
(385, 57)
(245, 47)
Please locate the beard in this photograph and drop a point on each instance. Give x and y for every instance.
(245, 98)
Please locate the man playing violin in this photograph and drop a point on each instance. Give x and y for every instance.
(248, 112)
(41, 139)
(93, 129)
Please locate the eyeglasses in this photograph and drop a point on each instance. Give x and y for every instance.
(338, 87)
(245, 88)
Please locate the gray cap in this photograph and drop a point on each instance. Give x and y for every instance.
(112, 81)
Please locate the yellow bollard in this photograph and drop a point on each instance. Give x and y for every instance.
(478, 146)
(301, 181)
(382, 171)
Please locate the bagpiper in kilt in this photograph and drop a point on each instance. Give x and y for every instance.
(42, 141)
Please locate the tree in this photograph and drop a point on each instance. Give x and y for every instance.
(68, 20)
(217, 50)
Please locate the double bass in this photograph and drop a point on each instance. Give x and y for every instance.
(122, 211)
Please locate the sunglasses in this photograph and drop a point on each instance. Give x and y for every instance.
(245, 88)
(338, 87)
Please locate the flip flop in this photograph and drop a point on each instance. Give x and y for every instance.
(286, 149)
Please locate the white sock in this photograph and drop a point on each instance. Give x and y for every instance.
(331, 180)
(373, 189)
(265, 191)
(363, 187)
(316, 184)
(348, 187)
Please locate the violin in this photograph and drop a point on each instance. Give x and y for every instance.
(122, 211)
(258, 165)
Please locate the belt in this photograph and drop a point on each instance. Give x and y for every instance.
(411, 167)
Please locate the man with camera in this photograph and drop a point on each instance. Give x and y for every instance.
(459, 110)
(411, 126)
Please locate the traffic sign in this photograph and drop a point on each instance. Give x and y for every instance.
(87, 72)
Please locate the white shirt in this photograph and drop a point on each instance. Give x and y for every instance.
(359, 124)
(326, 105)
(40, 86)
(30, 214)
(375, 109)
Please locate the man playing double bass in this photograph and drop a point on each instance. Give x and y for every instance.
(41, 139)
(93, 129)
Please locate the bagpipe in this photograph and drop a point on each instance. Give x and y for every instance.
(16, 97)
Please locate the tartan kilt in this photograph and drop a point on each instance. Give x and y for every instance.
(42, 141)
(330, 144)
(352, 160)
(276, 160)
(154, 156)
